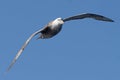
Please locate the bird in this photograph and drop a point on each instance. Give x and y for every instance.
(53, 28)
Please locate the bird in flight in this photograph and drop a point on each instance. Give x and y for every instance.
(53, 28)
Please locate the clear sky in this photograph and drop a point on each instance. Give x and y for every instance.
(84, 50)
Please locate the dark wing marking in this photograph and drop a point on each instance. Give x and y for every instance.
(88, 15)
(22, 49)
(46, 28)
(45, 31)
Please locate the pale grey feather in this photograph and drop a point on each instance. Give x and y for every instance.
(22, 49)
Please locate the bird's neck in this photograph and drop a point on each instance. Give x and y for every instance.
(57, 23)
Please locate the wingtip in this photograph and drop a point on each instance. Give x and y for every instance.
(110, 20)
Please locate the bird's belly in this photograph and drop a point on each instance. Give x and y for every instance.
(50, 33)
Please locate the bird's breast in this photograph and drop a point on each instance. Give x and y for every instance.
(52, 29)
(56, 24)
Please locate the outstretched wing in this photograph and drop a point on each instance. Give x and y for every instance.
(88, 15)
(21, 49)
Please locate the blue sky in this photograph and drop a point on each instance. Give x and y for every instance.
(84, 50)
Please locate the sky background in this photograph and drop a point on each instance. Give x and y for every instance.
(84, 50)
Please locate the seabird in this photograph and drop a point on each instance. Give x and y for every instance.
(54, 27)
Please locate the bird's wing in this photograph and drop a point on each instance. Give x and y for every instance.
(21, 49)
(88, 15)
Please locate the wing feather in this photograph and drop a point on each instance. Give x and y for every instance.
(22, 49)
(88, 15)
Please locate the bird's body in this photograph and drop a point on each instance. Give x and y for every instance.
(54, 27)
(51, 29)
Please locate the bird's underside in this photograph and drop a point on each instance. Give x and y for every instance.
(47, 32)
(54, 27)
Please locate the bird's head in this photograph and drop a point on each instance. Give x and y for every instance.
(59, 20)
